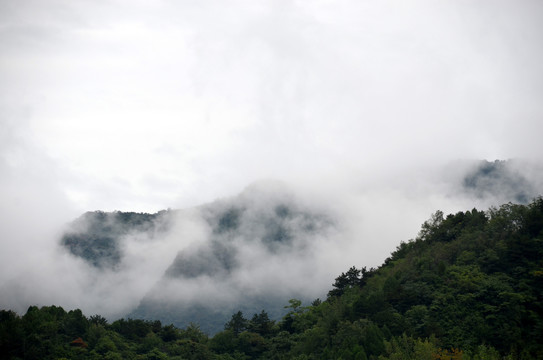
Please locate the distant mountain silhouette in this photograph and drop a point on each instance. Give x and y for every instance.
(499, 178)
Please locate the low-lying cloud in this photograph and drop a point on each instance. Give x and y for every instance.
(272, 242)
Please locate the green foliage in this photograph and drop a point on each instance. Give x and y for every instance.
(223, 342)
(105, 345)
(11, 334)
(237, 324)
(98, 320)
(251, 344)
(261, 324)
(353, 278)
(469, 287)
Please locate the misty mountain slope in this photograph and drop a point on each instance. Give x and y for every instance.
(260, 248)
(253, 241)
(273, 226)
(255, 250)
(469, 278)
(234, 253)
(277, 225)
(96, 236)
(470, 286)
(500, 178)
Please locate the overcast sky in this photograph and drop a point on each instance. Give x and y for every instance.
(147, 105)
(144, 105)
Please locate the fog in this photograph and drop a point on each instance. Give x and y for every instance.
(370, 112)
(192, 263)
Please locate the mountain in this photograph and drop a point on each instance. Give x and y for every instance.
(258, 232)
(253, 233)
(503, 178)
(469, 286)
(97, 236)
(239, 253)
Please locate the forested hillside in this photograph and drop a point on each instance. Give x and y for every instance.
(238, 253)
(470, 286)
(209, 252)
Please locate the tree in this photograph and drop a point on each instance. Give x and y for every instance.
(98, 320)
(251, 344)
(237, 324)
(11, 335)
(75, 324)
(261, 324)
(169, 333)
(345, 281)
(223, 342)
(429, 229)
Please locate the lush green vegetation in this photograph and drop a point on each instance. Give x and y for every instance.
(470, 286)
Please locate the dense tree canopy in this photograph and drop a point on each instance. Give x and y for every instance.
(470, 286)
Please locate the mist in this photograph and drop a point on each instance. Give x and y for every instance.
(369, 113)
(184, 259)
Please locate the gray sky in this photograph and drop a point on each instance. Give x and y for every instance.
(145, 105)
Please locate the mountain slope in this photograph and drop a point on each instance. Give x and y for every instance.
(96, 236)
(470, 286)
(233, 253)
(252, 241)
(239, 253)
(470, 280)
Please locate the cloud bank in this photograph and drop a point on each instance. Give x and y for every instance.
(152, 105)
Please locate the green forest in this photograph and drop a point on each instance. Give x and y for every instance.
(470, 286)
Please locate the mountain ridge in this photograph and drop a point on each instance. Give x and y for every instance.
(469, 286)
